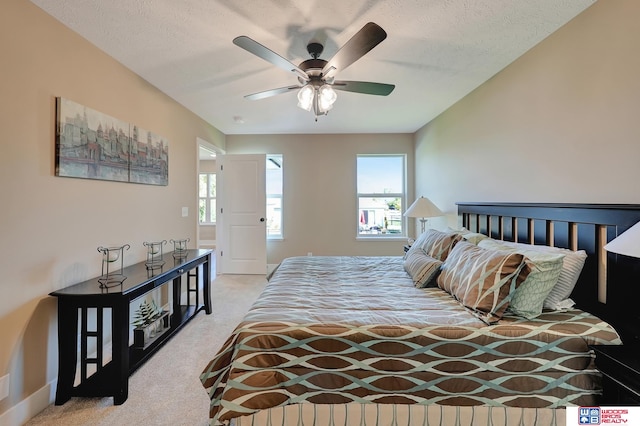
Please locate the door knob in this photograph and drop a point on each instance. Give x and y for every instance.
(262, 219)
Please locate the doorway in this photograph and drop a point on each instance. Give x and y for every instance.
(206, 225)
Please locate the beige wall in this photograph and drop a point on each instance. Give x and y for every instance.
(51, 226)
(320, 176)
(560, 124)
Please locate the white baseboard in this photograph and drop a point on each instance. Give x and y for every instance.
(20, 413)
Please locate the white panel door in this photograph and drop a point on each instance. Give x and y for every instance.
(243, 213)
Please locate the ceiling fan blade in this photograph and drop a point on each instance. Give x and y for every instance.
(363, 41)
(268, 55)
(366, 87)
(269, 93)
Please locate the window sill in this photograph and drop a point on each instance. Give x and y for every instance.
(381, 238)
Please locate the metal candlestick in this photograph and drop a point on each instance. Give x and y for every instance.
(154, 254)
(110, 255)
(180, 248)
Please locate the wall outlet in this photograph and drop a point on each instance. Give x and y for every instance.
(185, 211)
(309, 254)
(4, 387)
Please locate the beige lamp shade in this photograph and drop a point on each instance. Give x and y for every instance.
(423, 208)
(627, 243)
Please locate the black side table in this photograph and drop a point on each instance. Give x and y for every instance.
(620, 368)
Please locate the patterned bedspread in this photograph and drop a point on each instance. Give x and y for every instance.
(336, 330)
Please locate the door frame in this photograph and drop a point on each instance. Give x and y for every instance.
(218, 151)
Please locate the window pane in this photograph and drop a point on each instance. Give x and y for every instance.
(274, 174)
(202, 187)
(379, 215)
(274, 195)
(380, 174)
(212, 211)
(202, 209)
(274, 216)
(212, 185)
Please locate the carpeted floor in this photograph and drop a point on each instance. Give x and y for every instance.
(166, 390)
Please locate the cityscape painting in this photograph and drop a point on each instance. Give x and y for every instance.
(93, 145)
(148, 157)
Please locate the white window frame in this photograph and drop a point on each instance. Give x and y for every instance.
(276, 159)
(207, 199)
(402, 235)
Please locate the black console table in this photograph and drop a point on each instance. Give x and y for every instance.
(78, 302)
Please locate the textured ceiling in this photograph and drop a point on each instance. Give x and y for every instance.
(436, 52)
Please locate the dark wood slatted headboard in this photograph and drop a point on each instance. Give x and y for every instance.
(609, 285)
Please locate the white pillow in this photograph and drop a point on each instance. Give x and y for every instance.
(572, 264)
(472, 237)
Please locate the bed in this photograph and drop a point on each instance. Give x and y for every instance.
(401, 340)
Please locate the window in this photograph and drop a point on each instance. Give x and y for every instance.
(207, 198)
(274, 195)
(381, 195)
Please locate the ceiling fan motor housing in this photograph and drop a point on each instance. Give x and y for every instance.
(315, 49)
(313, 68)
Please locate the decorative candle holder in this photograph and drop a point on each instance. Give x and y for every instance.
(154, 254)
(180, 248)
(112, 274)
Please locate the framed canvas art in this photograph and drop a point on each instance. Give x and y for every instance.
(93, 145)
(148, 158)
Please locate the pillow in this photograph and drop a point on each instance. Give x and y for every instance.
(528, 299)
(558, 297)
(422, 268)
(435, 243)
(418, 243)
(482, 279)
(472, 237)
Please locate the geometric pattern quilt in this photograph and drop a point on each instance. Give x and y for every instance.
(341, 330)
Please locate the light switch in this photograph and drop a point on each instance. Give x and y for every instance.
(185, 211)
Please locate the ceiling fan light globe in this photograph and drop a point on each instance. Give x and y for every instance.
(305, 97)
(324, 109)
(304, 106)
(326, 97)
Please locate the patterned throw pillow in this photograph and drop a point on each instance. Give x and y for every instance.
(436, 244)
(527, 300)
(418, 244)
(422, 268)
(482, 279)
(572, 264)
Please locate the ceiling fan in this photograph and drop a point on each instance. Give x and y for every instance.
(316, 77)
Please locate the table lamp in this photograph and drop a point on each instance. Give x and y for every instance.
(424, 209)
(627, 243)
